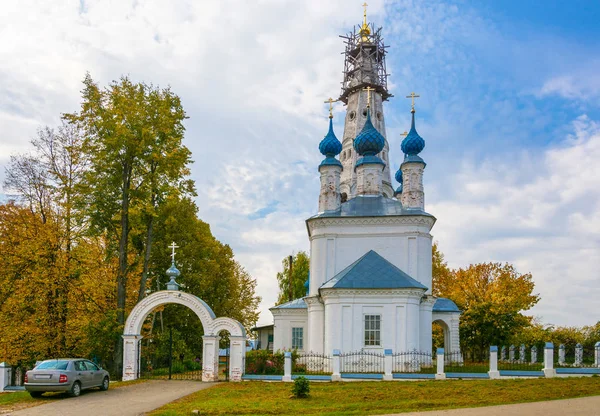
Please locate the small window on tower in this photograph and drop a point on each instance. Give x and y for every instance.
(365, 112)
(344, 197)
(379, 116)
(352, 115)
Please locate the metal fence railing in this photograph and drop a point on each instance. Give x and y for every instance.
(312, 363)
(362, 362)
(455, 362)
(574, 356)
(521, 358)
(413, 362)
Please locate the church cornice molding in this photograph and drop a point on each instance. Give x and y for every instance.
(401, 293)
(354, 235)
(313, 300)
(419, 220)
(285, 312)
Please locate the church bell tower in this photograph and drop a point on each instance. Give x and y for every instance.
(364, 71)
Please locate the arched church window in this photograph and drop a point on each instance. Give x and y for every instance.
(379, 115)
(352, 115)
(364, 113)
(344, 197)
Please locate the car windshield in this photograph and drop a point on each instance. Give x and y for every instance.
(53, 365)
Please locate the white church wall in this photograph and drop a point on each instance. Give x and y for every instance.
(336, 245)
(344, 319)
(284, 321)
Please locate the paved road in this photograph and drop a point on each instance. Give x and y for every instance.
(584, 406)
(125, 401)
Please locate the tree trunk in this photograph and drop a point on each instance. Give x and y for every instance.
(122, 273)
(148, 250)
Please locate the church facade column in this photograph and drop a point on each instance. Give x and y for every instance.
(426, 321)
(316, 324)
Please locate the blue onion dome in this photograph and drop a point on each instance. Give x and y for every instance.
(412, 144)
(172, 271)
(330, 146)
(399, 176)
(369, 141)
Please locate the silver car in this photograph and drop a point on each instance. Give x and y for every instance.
(71, 375)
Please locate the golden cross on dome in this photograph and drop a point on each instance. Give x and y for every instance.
(330, 101)
(412, 96)
(404, 134)
(368, 90)
(173, 247)
(364, 29)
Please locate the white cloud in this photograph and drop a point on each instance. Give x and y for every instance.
(580, 84)
(546, 222)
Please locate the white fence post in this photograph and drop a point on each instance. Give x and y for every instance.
(287, 366)
(597, 355)
(336, 376)
(549, 370)
(578, 355)
(5, 371)
(561, 354)
(387, 365)
(534, 354)
(440, 375)
(494, 373)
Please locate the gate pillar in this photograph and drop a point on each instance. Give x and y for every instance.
(236, 356)
(131, 356)
(210, 358)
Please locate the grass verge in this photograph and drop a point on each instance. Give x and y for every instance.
(357, 398)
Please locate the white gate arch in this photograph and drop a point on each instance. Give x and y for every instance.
(211, 324)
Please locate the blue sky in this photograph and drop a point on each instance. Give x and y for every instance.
(509, 110)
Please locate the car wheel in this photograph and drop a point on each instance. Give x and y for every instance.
(105, 384)
(36, 394)
(75, 389)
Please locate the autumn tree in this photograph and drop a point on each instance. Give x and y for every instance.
(133, 133)
(491, 296)
(291, 285)
(47, 180)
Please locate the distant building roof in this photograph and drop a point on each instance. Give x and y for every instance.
(257, 328)
(294, 304)
(445, 305)
(370, 206)
(372, 271)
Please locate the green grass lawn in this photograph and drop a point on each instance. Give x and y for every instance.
(357, 398)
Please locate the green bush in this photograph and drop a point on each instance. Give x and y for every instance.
(192, 365)
(264, 362)
(301, 387)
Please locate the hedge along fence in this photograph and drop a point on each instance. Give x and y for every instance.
(265, 362)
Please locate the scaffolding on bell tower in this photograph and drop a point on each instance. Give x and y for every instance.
(364, 63)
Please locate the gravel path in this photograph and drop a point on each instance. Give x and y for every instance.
(584, 406)
(125, 401)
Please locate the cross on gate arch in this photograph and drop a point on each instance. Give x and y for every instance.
(211, 324)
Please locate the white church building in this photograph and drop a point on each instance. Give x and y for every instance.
(370, 245)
